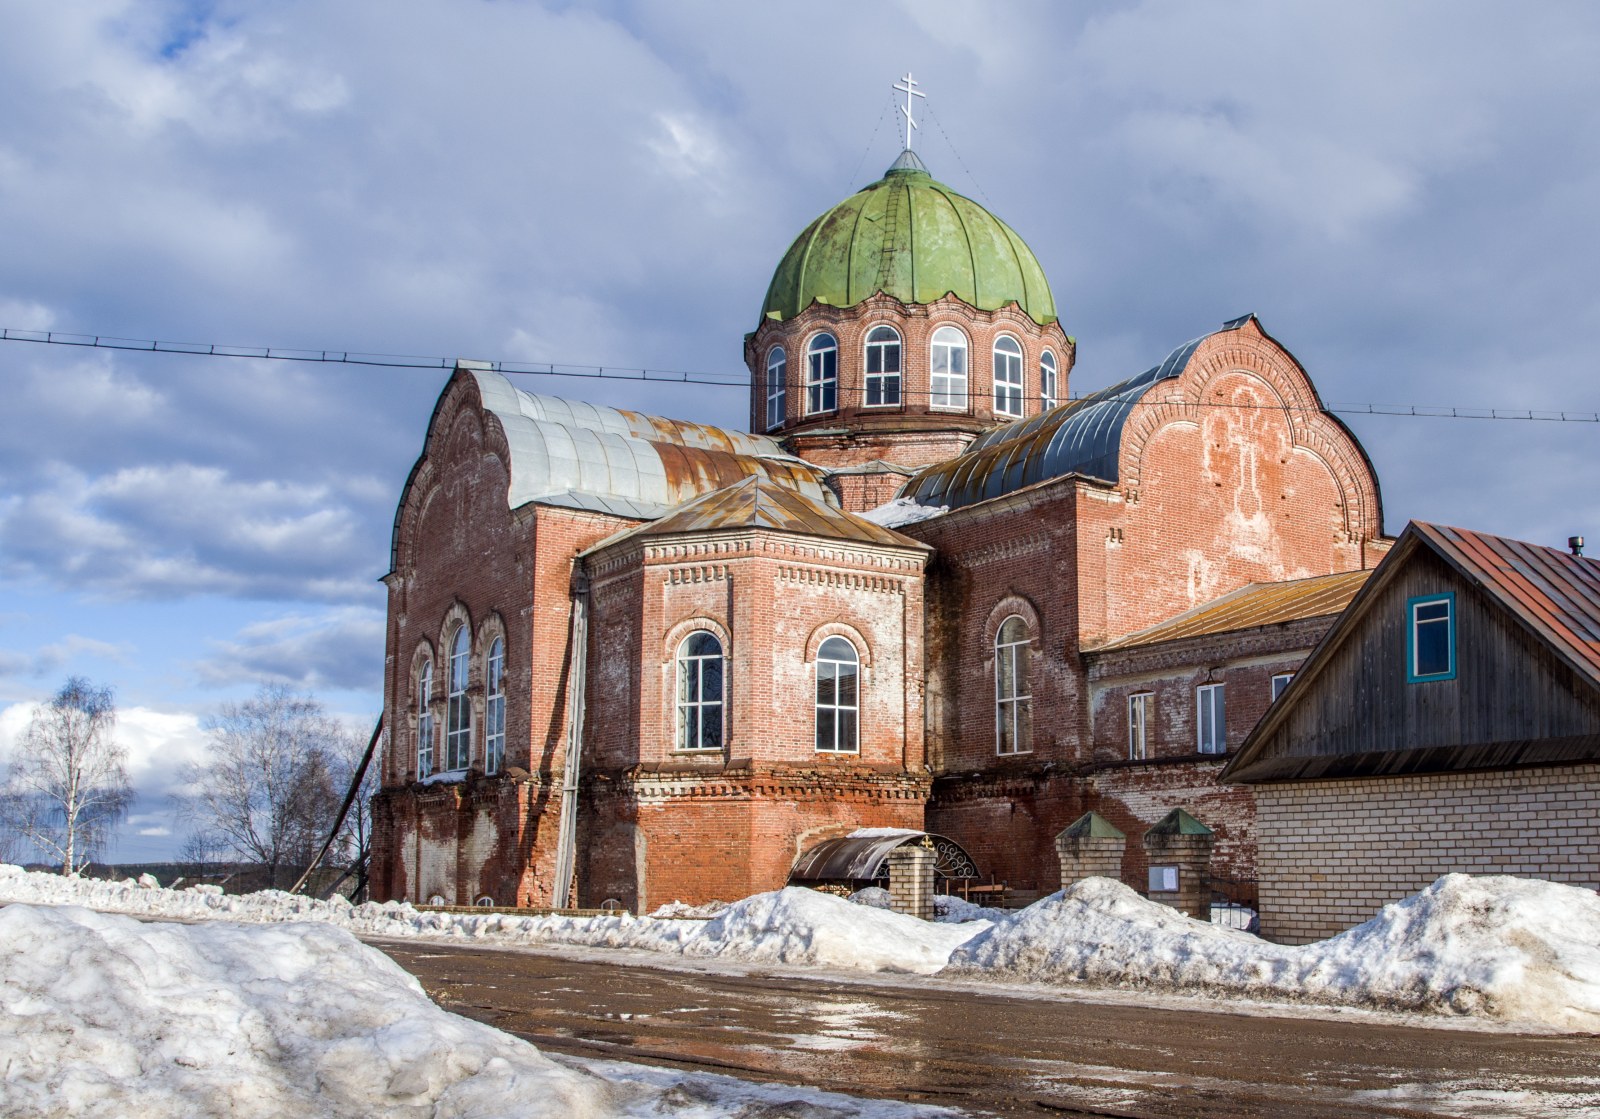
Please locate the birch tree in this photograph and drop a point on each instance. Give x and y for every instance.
(67, 786)
(267, 792)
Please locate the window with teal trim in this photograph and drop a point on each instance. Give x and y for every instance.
(1431, 638)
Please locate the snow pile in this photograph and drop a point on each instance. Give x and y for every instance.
(902, 511)
(1502, 947)
(111, 1018)
(107, 1016)
(676, 910)
(790, 926)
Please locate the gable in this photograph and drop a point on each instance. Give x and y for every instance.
(1511, 699)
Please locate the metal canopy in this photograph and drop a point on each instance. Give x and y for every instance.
(863, 857)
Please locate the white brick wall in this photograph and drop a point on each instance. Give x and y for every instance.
(1333, 853)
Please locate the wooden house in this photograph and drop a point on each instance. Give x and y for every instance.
(1448, 721)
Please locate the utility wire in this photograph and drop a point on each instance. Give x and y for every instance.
(718, 380)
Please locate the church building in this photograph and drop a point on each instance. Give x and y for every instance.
(633, 659)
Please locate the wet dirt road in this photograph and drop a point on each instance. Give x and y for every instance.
(995, 1055)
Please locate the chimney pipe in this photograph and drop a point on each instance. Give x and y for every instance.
(1575, 544)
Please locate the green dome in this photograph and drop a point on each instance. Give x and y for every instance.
(911, 237)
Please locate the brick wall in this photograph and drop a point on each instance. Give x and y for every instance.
(1332, 853)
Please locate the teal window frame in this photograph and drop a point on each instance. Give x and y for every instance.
(1449, 599)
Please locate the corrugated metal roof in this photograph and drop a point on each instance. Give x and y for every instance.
(1259, 604)
(579, 455)
(1556, 594)
(1081, 437)
(760, 503)
(861, 857)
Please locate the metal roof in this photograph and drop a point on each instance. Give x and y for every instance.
(1554, 593)
(585, 456)
(861, 857)
(1259, 604)
(912, 238)
(757, 502)
(1080, 437)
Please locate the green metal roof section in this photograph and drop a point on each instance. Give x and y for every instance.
(911, 237)
(1178, 822)
(1091, 825)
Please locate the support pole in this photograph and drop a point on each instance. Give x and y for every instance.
(344, 809)
(578, 658)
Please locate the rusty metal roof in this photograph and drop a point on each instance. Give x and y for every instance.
(1259, 604)
(1080, 437)
(758, 502)
(860, 857)
(585, 456)
(1553, 593)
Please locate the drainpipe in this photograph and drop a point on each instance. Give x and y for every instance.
(578, 658)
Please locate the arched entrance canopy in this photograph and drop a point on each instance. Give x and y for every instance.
(862, 856)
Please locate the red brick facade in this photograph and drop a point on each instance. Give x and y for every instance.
(1228, 474)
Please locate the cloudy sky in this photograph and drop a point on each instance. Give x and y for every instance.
(1406, 195)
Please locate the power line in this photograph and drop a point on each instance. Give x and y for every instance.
(717, 380)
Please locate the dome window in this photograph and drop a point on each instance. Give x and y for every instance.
(1049, 393)
(883, 367)
(948, 363)
(822, 375)
(1007, 376)
(777, 387)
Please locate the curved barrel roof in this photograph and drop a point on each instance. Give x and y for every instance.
(587, 456)
(1080, 437)
(913, 238)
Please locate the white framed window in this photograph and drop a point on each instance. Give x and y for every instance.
(457, 714)
(494, 708)
(1431, 638)
(700, 690)
(883, 367)
(1139, 708)
(948, 369)
(838, 697)
(425, 721)
(822, 374)
(1211, 724)
(1013, 692)
(1280, 681)
(1007, 376)
(1049, 395)
(777, 386)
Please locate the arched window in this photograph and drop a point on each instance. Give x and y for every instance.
(1007, 376)
(700, 692)
(457, 715)
(948, 366)
(1049, 396)
(777, 385)
(838, 670)
(822, 374)
(883, 367)
(424, 721)
(1013, 698)
(494, 708)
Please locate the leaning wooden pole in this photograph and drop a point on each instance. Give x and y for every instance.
(344, 809)
(578, 659)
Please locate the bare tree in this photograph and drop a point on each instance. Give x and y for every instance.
(67, 787)
(269, 791)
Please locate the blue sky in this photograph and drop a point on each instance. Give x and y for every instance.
(1403, 193)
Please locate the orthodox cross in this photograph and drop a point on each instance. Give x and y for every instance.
(908, 86)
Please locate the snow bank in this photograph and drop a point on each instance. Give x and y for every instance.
(107, 1016)
(1502, 947)
(111, 1018)
(790, 926)
(1496, 947)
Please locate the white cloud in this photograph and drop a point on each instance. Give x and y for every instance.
(338, 649)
